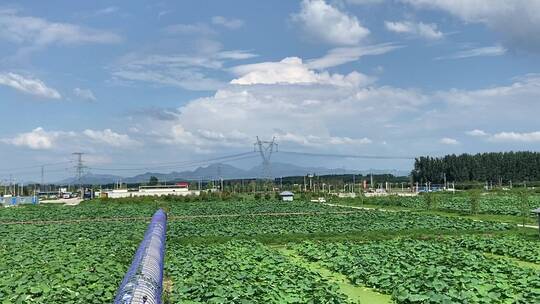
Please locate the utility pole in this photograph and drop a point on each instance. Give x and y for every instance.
(444, 176)
(42, 178)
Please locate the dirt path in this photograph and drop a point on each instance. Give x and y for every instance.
(527, 226)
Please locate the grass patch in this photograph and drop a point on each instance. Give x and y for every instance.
(357, 294)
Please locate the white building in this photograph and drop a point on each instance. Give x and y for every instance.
(346, 195)
(319, 200)
(179, 189)
(287, 196)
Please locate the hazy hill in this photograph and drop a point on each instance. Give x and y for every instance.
(225, 171)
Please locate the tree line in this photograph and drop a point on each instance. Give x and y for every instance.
(496, 167)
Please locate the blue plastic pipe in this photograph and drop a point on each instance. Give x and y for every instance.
(143, 283)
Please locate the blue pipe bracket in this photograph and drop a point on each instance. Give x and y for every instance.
(143, 282)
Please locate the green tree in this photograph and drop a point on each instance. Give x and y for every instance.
(153, 181)
(495, 167)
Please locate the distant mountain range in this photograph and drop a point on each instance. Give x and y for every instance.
(225, 171)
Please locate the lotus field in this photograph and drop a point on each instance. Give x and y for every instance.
(489, 204)
(250, 251)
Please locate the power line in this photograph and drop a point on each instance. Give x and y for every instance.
(66, 169)
(17, 169)
(181, 164)
(331, 155)
(147, 166)
(185, 164)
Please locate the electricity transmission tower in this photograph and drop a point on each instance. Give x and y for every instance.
(265, 149)
(79, 170)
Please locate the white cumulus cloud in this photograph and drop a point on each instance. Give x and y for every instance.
(292, 70)
(40, 139)
(28, 85)
(37, 139)
(326, 23)
(230, 23)
(235, 55)
(108, 137)
(190, 29)
(516, 137)
(449, 141)
(524, 89)
(364, 2)
(477, 133)
(84, 94)
(107, 10)
(425, 30)
(317, 141)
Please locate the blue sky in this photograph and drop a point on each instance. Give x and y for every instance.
(146, 82)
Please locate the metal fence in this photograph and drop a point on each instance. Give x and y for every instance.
(19, 200)
(143, 283)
